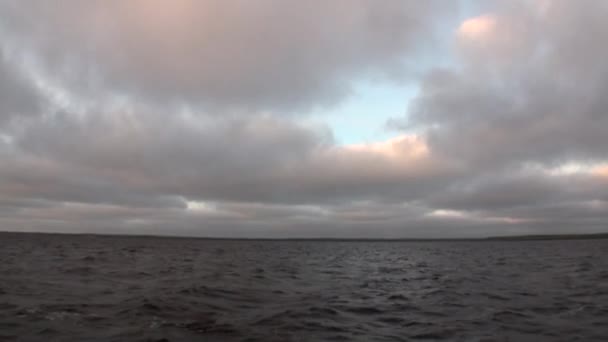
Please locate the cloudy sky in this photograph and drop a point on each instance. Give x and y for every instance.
(272, 118)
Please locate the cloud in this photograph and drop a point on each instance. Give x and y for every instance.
(258, 158)
(267, 55)
(18, 98)
(177, 118)
(544, 102)
(524, 188)
(526, 95)
(478, 28)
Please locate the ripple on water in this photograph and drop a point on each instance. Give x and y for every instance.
(154, 289)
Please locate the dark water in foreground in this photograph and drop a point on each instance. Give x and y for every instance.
(87, 288)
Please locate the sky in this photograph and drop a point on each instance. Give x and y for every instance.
(304, 119)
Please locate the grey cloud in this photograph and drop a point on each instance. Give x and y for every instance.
(18, 98)
(500, 192)
(486, 136)
(547, 105)
(32, 179)
(110, 219)
(529, 88)
(122, 157)
(138, 195)
(566, 214)
(258, 55)
(535, 199)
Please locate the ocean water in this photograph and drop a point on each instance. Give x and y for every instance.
(94, 288)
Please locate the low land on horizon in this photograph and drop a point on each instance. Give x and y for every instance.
(490, 238)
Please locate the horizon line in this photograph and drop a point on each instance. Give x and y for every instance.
(528, 237)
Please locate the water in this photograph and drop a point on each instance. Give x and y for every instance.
(92, 288)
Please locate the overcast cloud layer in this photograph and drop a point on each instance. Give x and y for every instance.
(191, 118)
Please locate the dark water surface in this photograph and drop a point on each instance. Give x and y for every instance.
(92, 288)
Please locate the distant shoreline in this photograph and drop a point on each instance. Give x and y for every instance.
(595, 236)
(551, 237)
